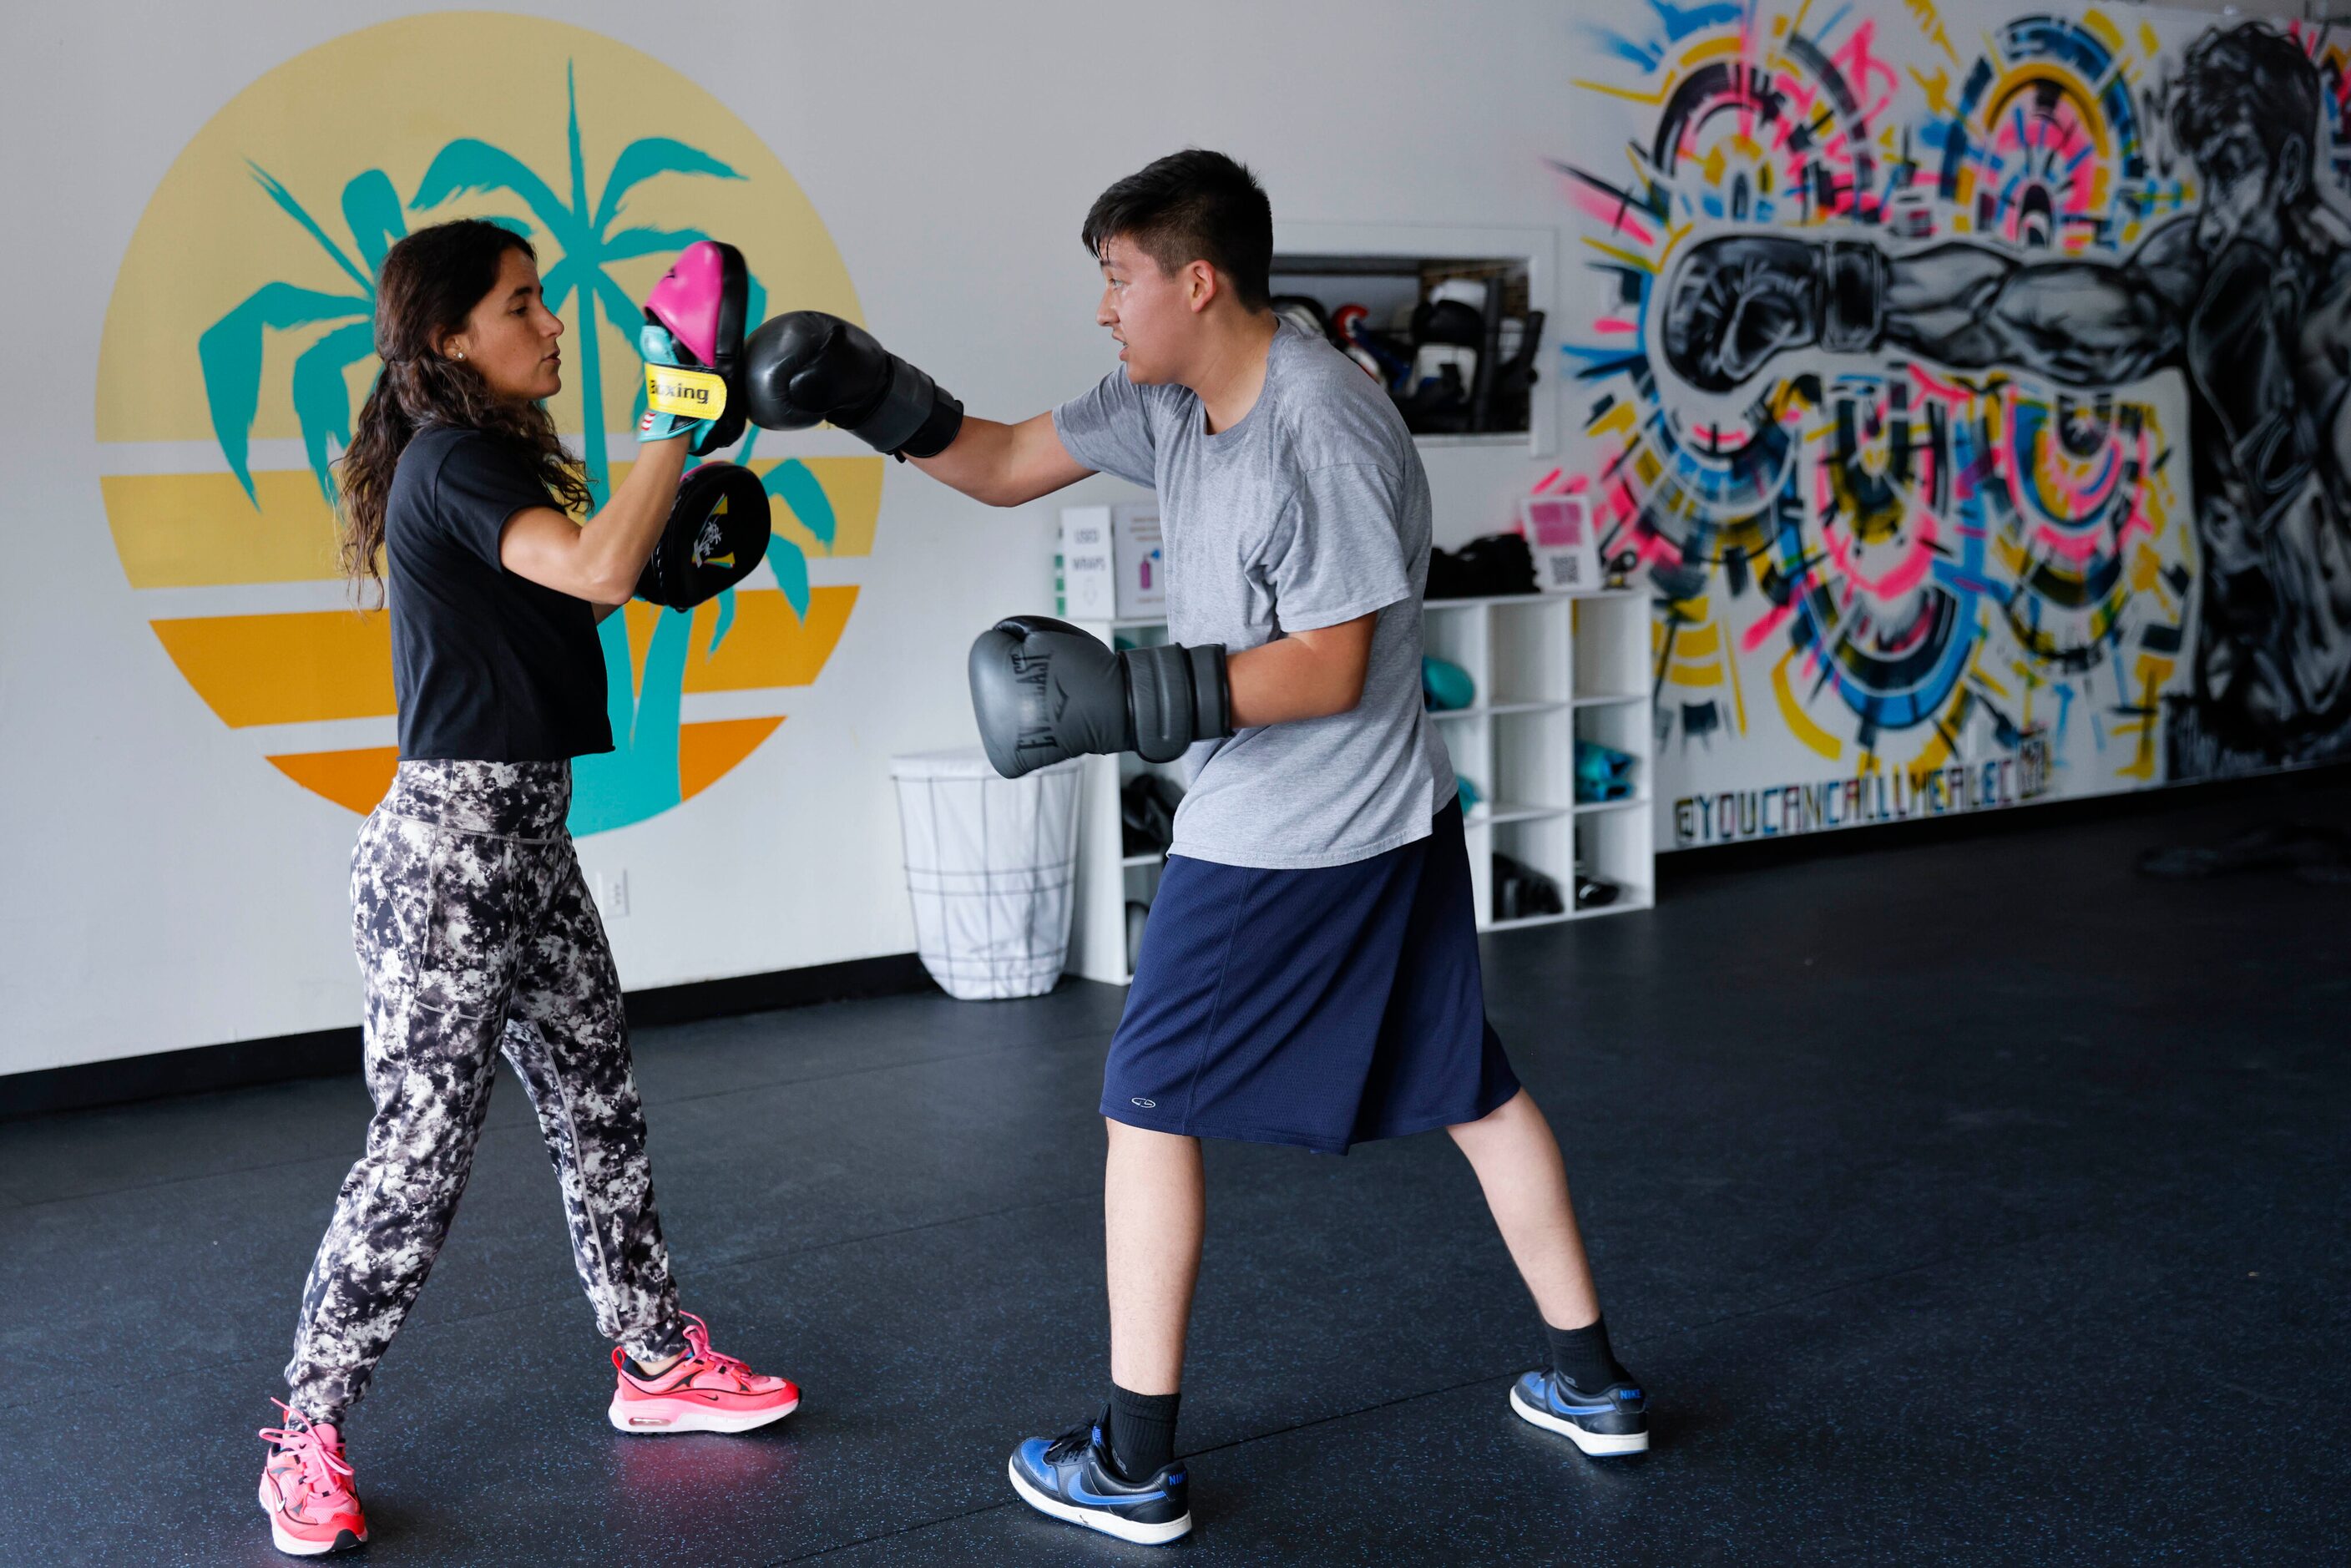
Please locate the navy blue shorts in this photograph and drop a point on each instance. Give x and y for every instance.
(1321, 1008)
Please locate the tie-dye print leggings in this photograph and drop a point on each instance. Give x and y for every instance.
(475, 935)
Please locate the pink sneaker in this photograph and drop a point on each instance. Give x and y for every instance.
(305, 1489)
(702, 1391)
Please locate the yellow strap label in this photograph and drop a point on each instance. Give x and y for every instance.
(673, 389)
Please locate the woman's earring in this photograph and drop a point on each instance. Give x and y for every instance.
(461, 354)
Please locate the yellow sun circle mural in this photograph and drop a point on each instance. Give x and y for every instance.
(238, 350)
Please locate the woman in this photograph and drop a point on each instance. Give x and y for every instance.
(473, 926)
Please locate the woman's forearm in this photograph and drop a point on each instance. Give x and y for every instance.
(616, 542)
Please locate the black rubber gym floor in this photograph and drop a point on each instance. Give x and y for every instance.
(1969, 1201)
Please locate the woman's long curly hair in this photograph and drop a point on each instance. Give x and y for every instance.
(431, 282)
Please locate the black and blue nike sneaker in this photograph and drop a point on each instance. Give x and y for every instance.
(1071, 1478)
(1614, 1420)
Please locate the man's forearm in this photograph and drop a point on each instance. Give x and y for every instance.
(1936, 303)
(1311, 674)
(1005, 464)
(2085, 323)
(976, 462)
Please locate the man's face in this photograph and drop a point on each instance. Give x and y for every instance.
(1149, 311)
(2239, 199)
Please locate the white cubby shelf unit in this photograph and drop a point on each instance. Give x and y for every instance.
(1547, 670)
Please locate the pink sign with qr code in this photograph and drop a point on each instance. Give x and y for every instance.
(1559, 534)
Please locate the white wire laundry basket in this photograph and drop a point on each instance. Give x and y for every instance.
(990, 863)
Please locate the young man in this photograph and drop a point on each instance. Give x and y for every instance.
(1310, 975)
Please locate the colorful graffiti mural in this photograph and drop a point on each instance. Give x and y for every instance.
(1971, 408)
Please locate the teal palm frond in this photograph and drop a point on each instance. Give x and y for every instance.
(795, 484)
(371, 210)
(641, 161)
(322, 399)
(625, 312)
(557, 282)
(230, 352)
(629, 243)
(471, 164)
(721, 624)
(571, 145)
(295, 210)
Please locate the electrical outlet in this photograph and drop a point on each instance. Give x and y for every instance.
(616, 895)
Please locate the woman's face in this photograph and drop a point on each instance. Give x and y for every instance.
(510, 336)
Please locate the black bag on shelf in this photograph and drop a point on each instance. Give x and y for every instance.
(1484, 568)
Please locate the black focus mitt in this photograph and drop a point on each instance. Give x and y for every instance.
(717, 537)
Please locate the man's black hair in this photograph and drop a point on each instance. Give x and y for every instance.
(2252, 73)
(1192, 206)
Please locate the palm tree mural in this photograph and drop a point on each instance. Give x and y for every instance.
(231, 349)
(639, 778)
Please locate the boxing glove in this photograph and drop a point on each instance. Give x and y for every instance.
(806, 366)
(1737, 300)
(693, 347)
(1042, 691)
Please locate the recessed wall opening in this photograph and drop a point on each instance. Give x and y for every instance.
(1452, 338)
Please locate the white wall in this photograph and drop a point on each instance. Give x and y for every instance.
(162, 886)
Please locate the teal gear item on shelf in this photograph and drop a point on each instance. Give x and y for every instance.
(1445, 686)
(1470, 798)
(1601, 773)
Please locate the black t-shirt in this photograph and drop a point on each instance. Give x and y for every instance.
(485, 667)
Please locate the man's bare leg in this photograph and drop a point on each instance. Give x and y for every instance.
(1155, 1210)
(1585, 1396)
(1517, 1164)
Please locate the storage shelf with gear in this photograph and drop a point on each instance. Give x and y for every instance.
(1451, 337)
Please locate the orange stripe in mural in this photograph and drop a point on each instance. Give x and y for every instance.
(705, 751)
(306, 667)
(768, 645)
(293, 668)
(354, 779)
(357, 780)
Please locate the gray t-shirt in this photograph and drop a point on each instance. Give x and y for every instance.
(1311, 510)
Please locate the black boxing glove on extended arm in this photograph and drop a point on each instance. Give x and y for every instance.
(1735, 302)
(1042, 691)
(806, 366)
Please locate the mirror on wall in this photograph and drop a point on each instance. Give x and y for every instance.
(1452, 338)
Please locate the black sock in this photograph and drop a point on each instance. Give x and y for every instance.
(1582, 1356)
(1142, 1431)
